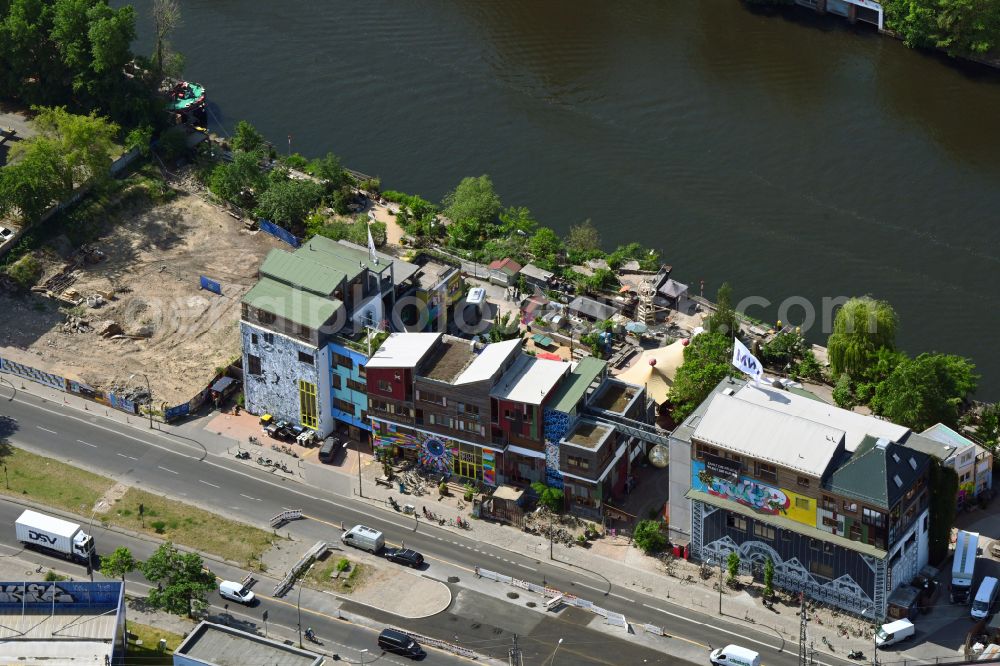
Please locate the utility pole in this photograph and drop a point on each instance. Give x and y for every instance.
(514, 657)
(720, 584)
(803, 620)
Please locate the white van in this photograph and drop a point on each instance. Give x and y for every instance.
(894, 632)
(734, 655)
(235, 592)
(364, 538)
(985, 598)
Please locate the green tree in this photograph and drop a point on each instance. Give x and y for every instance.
(166, 19)
(583, 240)
(247, 138)
(862, 327)
(602, 279)
(960, 27)
(140, 138)
(943, 488)
(723, 320)
(85, 143)
(843, 392)
(471, 207)
(768, 578)
(926, 390)
(875, 373)
(119, 563)
(287, 202)
(732, 567)
(549, 497)
(545, 247)
(517, 221)
(504, 328)
(35, 181)
(240, 181)
(988, 427)
(706, 363)
(329, 169)
(182, 581)
(648, 537)
(649, 260)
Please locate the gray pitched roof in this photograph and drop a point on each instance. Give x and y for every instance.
(879, 472)
(592, 308)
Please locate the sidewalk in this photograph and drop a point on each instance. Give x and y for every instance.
(611, 558)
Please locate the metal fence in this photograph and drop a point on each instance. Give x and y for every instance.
(441, 645)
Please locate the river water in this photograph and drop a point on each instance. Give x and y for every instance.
(793, 155)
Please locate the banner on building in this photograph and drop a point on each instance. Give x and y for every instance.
(722, 468)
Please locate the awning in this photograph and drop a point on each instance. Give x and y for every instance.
(525, 452)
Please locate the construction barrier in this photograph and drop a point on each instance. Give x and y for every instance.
(172, 413)
(32, 374)
(441, 645)
(209, 284)
(278, 232)
(286, 517)
(281, 589)
(653, 629)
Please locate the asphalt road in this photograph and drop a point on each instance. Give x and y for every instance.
(163, 463)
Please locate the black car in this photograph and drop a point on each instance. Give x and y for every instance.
(405, 556)
(391, 640)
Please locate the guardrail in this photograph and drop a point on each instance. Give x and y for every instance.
(281, 589)
(286, 517)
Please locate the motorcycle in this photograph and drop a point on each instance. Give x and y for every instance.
(261, 460)
(856, 654)
(243, 455)
(394, 504)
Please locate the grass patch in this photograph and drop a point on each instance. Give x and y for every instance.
(148, 654)
(319, 575)
(53, 483)
(190, 526)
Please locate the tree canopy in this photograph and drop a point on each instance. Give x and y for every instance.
(288, 201)
(471, 207)
(926, 390)
(119, 563)
(960, 27)
(545, 247)
(247, 138)
(861, 328)
(583, 240)
(182, 581)
(706, 363)
(723, 320)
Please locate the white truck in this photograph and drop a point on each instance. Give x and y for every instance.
(963, 569)
(55, 535)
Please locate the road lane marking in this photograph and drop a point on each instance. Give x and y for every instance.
(631, 601)
(208, 484)
(589, 587)
(125, 456)
(167, 470)
(46, 430)
(256, 499)
(526, 567)
(87, 443)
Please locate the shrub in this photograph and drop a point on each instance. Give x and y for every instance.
(733, 566)
(843, 395)
(648, 537)
(551, 498)
(25, 271)
(470, 492)
(769, 578)
(343, 564)
(443, 489)
(159, 525)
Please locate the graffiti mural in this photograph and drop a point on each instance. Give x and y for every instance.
(435, 455)
(746, 491)
(489, 467)
(556, 424)
(436, 452)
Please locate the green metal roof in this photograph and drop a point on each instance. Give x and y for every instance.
(576, 384)
(879, 471)
(332, 254)
(295, 305)
(786, 523)
(301, 272)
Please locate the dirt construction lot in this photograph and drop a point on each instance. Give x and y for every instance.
(172, 331)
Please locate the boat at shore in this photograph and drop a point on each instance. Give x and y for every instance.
(186, 100)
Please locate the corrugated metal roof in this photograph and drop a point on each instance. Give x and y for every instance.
(575, 386)
(871, 472)
(402, 350)
(591, 308)
(401, 270)
(768, 434)
(533, 271)
(295, 305)
(488, 361)
(302, 272)
(336, 256)
(530, 380)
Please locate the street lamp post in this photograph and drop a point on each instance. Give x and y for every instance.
(874, 634)
(552, 659)
(298, 608)
(719, 560)
(363, 652)
(360, 491)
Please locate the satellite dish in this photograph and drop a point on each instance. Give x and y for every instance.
(659, 456)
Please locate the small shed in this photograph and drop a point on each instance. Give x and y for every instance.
(504, 272)
(588, 308)
(504, 505)
(537, 277)
(673, 291)
(902, 602)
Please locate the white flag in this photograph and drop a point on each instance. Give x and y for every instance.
(371, 247)
(745, 361)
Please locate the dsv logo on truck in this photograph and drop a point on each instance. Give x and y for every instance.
(39, 536)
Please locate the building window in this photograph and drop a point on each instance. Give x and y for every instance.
(343, 361)
(306, 358)
(265, 317)
(814, 544)
(830, 522)
(307, 404)
(850, 507)
(820, 569)
(344, 406)
(736, 522)
(803, 481)
(468, 462)
(926, 522)
(763, 531)
(786, 535)
(700, 451)
(855, 532)
(269, 338)
(384, 386)
(873, 517)
(469, 410)
(253, 364)
(766, 472)
(357, 386)
(576, 461)
(433, 398)
(802, 503)
(305, 331)
(253, 338)
(336, 381)
(829, 504)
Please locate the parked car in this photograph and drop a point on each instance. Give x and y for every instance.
(986, 598)
(734, 655)
(236, 592)
(5, 235)
(407, 556)
(894, 632)
(331, 450)
(364, 538)
(391, 640)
